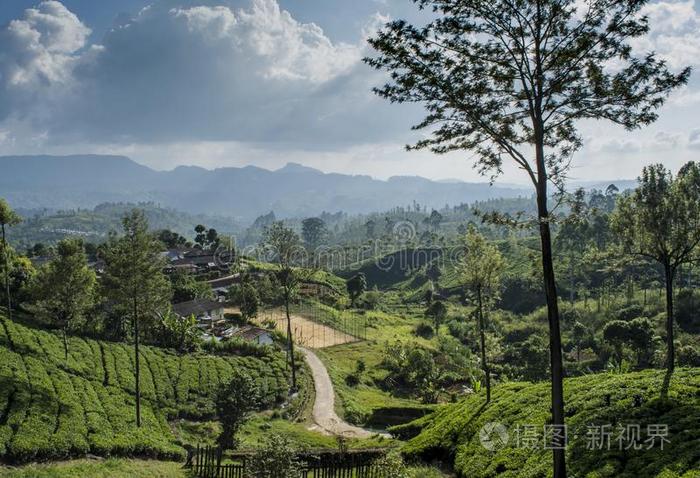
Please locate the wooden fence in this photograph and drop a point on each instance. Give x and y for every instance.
(321, 464)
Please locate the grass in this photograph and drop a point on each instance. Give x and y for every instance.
(125, 468)
(452, 432)
(110, 468)
(51, 408)
(359, 403)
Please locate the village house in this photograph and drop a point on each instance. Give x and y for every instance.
(208, 313)
(254, 334)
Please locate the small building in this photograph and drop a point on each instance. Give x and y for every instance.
(207, 312)
(254, 334)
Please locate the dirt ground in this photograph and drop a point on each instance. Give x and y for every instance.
(307, 333)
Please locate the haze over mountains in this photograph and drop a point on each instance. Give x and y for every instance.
(83, 181)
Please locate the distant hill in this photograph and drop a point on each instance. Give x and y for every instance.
(84, 181)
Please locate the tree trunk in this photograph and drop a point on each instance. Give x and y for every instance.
(7, 273)
(550, 288)
(670, 350)
(137, 369)
(290, 339)
(571, 280)
(482, 338)
(65, 341)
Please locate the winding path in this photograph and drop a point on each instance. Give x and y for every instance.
(324, 416)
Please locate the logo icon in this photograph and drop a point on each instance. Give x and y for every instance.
(493, 436)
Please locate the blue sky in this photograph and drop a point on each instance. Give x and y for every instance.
(235, 82)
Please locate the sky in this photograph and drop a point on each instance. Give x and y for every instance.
(220, 83)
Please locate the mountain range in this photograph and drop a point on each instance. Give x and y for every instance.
(84, 181)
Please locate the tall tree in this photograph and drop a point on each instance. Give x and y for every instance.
(508, 79)
(285, 248)
(660, 221)
(134, 282)
(573, 234)
(481, 268)
(10, 218)
(64, 289)
(313, 231)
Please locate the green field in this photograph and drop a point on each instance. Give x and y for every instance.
(452, 432)
(53, 409)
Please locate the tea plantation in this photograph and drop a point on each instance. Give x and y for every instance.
(53, 409)
(453, 431)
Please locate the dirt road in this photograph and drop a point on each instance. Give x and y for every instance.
(324, 415)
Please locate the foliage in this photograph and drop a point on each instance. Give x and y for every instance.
(687, 311)
(133, 279)
(275, 459)
(637, 333)
(185, 288)
(437, 311)
(481, 268)
(10, 218)
(313, 231)
(392, 466)
(413, 367)
(660, 221)
(110, 468)
(509, 80)
(172, 240)
(452, 432)
(246, 296)
(424, 330)
(234, 403)
(284, 247)
(356, 286)
(64, 289)
(206, 238)
(58, 409)
(179, 333)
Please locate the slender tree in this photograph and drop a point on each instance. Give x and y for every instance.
(64, 289)
(481, 268)
(10, 218)
(134, 282)
(660, 221)
(285, 248)
(508, 79)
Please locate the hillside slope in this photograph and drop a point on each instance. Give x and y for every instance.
(53, 409)
(453, 432)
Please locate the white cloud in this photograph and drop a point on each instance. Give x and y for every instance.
(40, 49)
(209, 73)
(674, 32)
